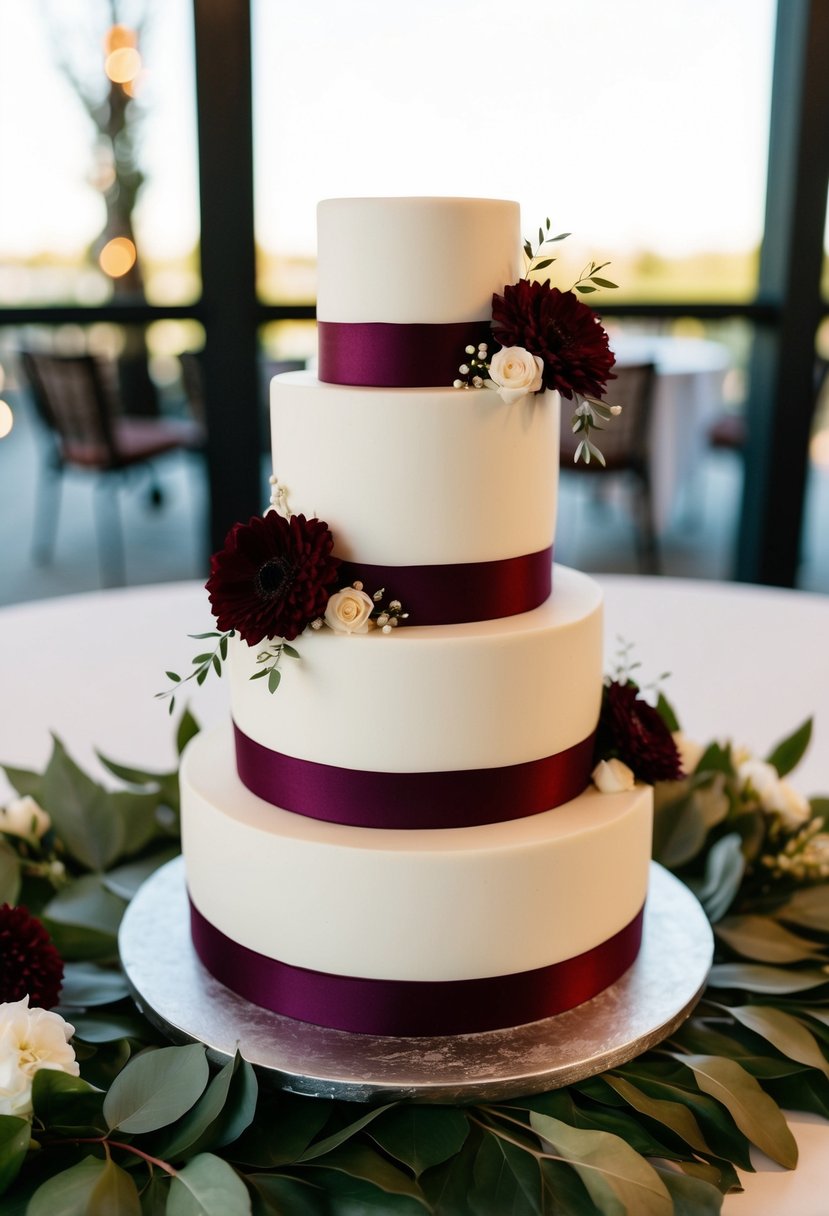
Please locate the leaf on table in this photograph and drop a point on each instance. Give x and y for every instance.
(691, 1196)
(679, 832)
(202, 1127)
(139, 814)
(156, 1088)
(66, 1104)
(208, 1186)
(24, 781)
(281, 1196)
(756, 1114)
(421, 1136)
(114, 1193)
(613, 1173)
(108, 1026)
(83, 813)
(67, 1193)
(125, 880)
(345, 1133)
(788, 753)
(505, 1179)
(15, 1135)
(808, 907)
(784, 1032)
(285, 1126)
(88, 984)
(753, 977)
(674, 1115)
(563, 1191)
(724, 869)
(362, 1162)
(86, 902)
(763, 939)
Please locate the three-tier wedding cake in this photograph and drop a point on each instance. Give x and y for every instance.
(402, 837)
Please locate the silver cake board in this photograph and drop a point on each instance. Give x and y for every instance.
(175, 992)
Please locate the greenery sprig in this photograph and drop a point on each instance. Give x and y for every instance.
(533, 253)
(269, 660)
(202, 664)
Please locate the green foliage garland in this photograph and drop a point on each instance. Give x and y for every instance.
(149, 1128)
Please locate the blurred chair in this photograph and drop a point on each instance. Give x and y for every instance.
(727, 432)
(625, 447)
(76, 400)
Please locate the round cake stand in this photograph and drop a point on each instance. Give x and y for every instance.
(653, 997)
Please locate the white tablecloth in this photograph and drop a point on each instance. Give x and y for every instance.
(746, 663)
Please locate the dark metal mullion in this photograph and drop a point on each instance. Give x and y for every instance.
(781, 372)
(228, 309)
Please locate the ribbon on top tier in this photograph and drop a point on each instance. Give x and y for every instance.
(456, 798)
(414, 1007)
(460, 592)
(377, 354)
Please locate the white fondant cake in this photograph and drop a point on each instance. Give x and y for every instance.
(405, 839)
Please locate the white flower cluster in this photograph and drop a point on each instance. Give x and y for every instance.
(804, 857)
(473, 374)
(30, 1039)
(25, 818)
(760, 780)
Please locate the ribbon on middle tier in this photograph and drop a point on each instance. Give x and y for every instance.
(456, 798)
(378, 354)
(460, 592)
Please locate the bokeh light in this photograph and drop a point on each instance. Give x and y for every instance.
(119, 36)
(117, 257)
(6, 419)
(123, 65)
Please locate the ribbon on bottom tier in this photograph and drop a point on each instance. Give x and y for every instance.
(414, 1007)
(456, 798)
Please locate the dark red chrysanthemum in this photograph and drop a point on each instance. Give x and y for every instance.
(273, 577)
(562, 331)
(636, 732)
(29, 963)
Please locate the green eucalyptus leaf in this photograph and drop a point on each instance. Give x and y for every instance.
(602, 282)
(762, 939)
(283, 1196)
(561, 236)
(137, 811)
(674, 1115)
(109, 1027)
(208, 1186)
(9, 874)
(86, 903)
(114, 1193)
(84, 815)
(784, 1032)
(583, 289)
(421, 1136)
(24, 781)
(285, 1126)
(290, 651)
(155, 1194)
(156, 1088)
(125, 880)
(666, 712)
(612, 1172)
(66, 1104)
(716, 759)
(808, 908)
(447, 1186)
(753, 977)
(724, 869)
(274, 676)
(188, 726)
(756, 1114)
(507, 1179)
(88, 984)
(361, 1162)
(788, 754)
(15, 1135)
(691, 1196)
(67, 1193)
(543, 264)
(201, 1128)
(337, 1138)
(679, 832)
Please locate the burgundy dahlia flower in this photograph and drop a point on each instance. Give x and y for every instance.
(635, 732)
(565, 333)
(273, 577)
(29, 963)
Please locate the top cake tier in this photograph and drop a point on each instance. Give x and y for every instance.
(405, 284)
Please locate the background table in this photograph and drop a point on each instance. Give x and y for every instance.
(745, 663)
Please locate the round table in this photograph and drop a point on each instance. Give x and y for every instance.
(745, 663)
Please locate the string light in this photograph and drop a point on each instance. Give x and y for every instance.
(123, 65)
(117, 257)
(6, 419)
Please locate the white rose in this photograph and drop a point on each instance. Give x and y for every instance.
(690, 752)
(515, 372)
(613, 777)
(30, 1039)
(774, 794)
(349, 610)
(24, 817)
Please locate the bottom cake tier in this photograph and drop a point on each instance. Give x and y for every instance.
(388, 931)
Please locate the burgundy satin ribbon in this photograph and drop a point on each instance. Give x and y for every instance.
(457, 798)
(459, 592)
(376, 354)
(414, 1007)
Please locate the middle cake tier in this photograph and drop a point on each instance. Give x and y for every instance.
(429, 727)
(425, 488)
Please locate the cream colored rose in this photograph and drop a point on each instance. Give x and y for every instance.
(690, 752)
(30, 1039)
(349, 610)
(24, 817)
(613, 777)
(515, 372)
(773, 793)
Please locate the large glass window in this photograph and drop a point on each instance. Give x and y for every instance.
(97, 152)
(639, 127)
